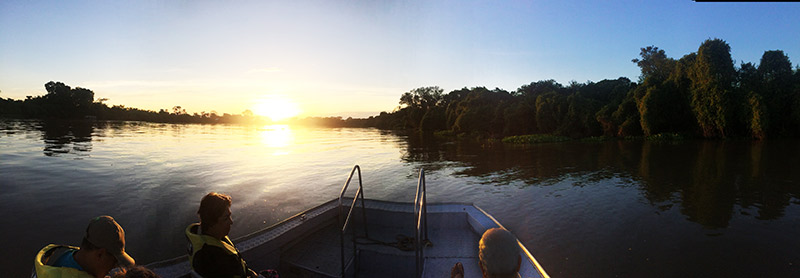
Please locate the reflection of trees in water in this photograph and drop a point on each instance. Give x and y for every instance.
(67, 137)
(709, 196)
(710, 178)
(706, 179)
(428, 150)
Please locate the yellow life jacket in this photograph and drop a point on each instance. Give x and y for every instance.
(197, 241)
(43, 270)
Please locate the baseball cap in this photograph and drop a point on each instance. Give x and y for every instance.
(104, 232)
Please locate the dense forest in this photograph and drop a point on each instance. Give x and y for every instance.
(702, 94)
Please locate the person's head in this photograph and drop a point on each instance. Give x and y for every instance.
(499, 254)
(215, 214)
(103, 247)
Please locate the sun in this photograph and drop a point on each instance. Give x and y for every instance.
(276, 108)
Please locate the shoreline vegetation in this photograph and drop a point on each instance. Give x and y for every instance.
(700, 95)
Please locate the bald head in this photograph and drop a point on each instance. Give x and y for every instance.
(499, 253)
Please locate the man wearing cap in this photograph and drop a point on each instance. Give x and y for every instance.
(102, 249)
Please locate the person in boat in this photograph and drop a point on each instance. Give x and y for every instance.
(211, 252)
(498, 254)
(102, 249)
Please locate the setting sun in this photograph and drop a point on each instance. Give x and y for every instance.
(276, 108)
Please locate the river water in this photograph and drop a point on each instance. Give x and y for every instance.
(607, 209)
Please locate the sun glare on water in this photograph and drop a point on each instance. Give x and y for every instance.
(276, 108)
(277, 137)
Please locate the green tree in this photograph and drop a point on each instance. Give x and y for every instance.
(615, 93)
(657, 97)
(453, 107)
(417, 103)
(654, 63)
(681, 115)
(580, 117)
(481, 112)
(712, 84)
(775, 71)
(62, 101)
(753, 111)
(628, 116)
(520, 116)
(551, 109)
(433, 119)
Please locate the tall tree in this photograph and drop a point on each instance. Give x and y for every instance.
(775, 70)
(417, 103)
(654, 63)
(657, 96)
(753, 110)
(712, 83)
(62, 101)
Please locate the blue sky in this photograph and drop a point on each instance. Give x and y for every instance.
(354, 58)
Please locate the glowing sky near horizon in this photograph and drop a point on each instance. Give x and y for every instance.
(354, 58)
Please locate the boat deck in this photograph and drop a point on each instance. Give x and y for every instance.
(378, 256)
(308, 244)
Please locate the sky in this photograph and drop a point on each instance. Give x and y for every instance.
(354, 58)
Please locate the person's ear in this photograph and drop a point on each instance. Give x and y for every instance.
(519, 262)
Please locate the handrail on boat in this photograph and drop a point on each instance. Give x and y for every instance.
(344, 221)
(421, 216)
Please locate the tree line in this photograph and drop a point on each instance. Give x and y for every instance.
(65, 102)
(702, 94)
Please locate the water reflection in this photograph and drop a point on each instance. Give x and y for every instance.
(709, 180)
(62, 137)
(624, 208)
(277, 136)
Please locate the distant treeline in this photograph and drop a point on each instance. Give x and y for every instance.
(64, 102)
(701, 94)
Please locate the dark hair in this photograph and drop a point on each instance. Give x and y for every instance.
(212, 206)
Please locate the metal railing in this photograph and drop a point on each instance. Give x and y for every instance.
(421, 216)
(345, 220)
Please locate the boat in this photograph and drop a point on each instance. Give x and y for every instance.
(358, 237)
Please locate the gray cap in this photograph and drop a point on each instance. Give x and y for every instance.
(104, 232)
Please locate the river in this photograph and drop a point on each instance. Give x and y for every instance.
(600, 209)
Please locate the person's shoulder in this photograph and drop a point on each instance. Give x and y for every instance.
(58, 261)
(58, 255)
(66, 259)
